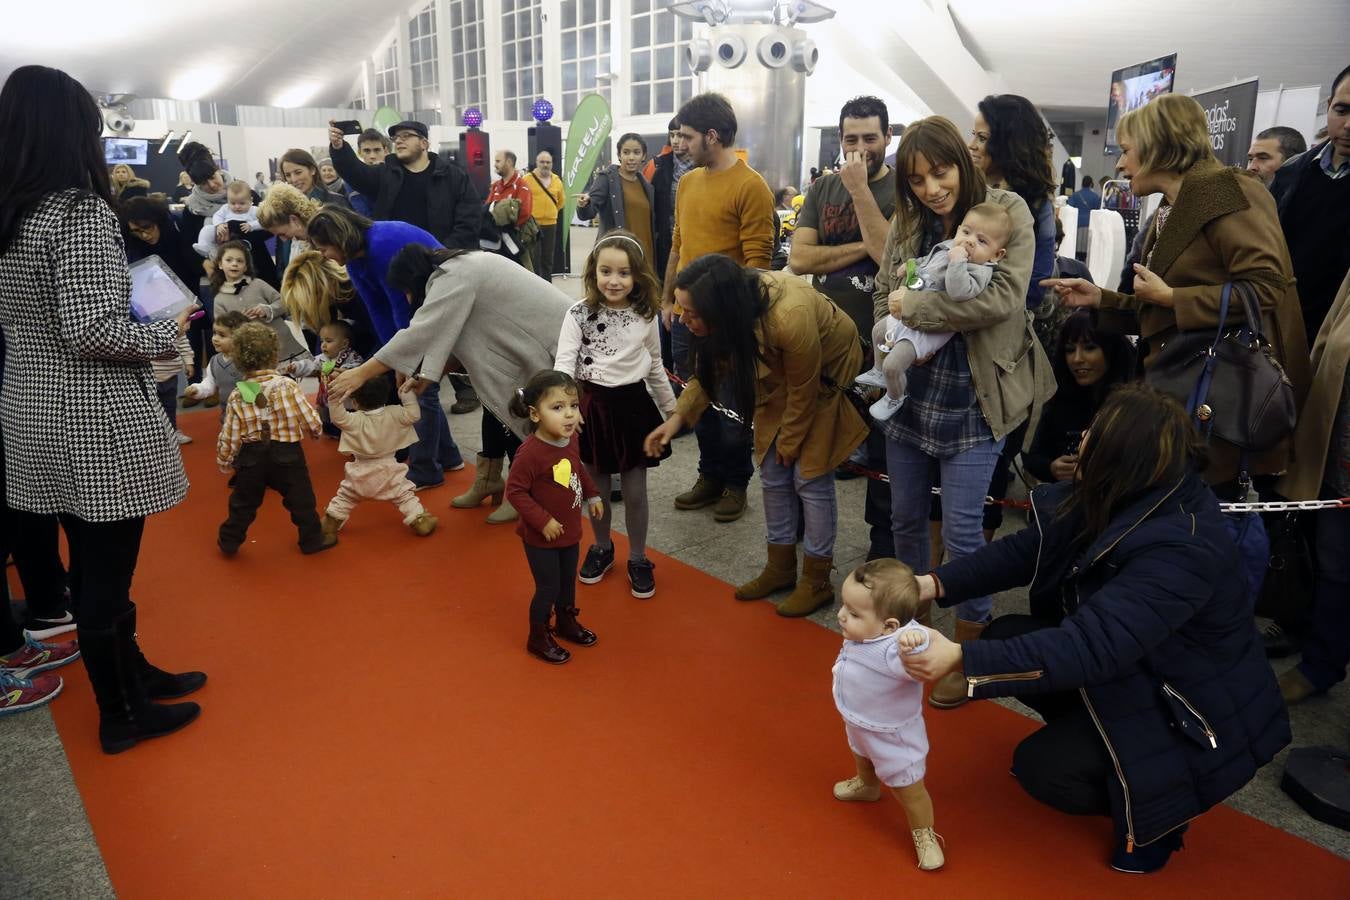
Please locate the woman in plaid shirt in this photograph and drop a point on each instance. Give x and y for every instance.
(985, 382)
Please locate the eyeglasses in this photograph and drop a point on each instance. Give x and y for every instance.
(406, 136)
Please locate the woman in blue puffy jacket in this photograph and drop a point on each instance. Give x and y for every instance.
(1139, 650)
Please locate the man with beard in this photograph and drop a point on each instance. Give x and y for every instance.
(721, 206)
(840, 236)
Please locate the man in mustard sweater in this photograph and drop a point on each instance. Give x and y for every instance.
(728, 209)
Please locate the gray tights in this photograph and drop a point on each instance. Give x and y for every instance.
(633, 483)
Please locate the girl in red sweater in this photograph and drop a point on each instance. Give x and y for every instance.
(547, 486)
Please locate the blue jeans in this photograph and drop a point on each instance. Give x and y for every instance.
(725, 448)
(1326, 649)
(782, 486)
(435, 451)
(965, 483)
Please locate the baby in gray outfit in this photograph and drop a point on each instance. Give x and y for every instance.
(961, 268)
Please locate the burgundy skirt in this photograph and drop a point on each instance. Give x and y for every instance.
(618, 420)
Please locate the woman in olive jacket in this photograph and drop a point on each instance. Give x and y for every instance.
(1139, 651)
(1216, 225)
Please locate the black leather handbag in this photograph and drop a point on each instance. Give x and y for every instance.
(1229, 380)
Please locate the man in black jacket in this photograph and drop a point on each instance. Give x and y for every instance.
(423, 189)
(1312, 194)
(414, 186)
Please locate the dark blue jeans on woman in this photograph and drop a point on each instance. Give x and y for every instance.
(435, 452)
(724, 446)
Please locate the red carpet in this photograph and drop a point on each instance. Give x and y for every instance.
(373, 726)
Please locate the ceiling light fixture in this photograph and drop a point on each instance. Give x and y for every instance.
(296, 96)
(164, 144)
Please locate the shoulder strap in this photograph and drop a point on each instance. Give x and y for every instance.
(545, 190)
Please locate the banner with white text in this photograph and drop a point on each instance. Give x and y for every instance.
(586, 137)
(1231, 112)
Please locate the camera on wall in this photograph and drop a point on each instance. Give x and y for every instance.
(116, 117)
(773, 51)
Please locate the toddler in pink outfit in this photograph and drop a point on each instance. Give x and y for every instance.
(373, 433)
(881, 704)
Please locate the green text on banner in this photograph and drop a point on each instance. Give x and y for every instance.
(588, 133)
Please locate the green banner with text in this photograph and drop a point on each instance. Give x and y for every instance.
(587, 135)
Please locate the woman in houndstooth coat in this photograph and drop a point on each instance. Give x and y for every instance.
(84, 435)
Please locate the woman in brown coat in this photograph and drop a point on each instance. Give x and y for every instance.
(1216, 225)
(1322, 469)
(784, 350)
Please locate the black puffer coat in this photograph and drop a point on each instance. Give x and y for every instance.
(1155, 632)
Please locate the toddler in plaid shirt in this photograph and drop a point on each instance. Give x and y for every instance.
(266, 417)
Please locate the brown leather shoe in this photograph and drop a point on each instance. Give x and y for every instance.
(780, 573)
(951, 690)
(1295, 687)
(705, 492)
(813, 589)
(569, 629)
(542, 645)
(731, 506)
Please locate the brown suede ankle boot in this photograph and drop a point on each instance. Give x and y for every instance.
(813, 589)
(950, 690)
(331, 526)
(780, 573)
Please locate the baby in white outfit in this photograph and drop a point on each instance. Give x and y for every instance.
(881, 704)
(238, 208)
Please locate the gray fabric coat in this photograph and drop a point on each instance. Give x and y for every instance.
(606, 190)
(497, 319)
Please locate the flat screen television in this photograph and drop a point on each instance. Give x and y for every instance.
(1134, 86)
(129, 151)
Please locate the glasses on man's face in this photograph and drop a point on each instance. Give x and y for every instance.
(404, 136)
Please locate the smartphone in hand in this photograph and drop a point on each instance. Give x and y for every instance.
(348, 126)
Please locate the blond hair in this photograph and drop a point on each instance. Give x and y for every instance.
(1169, 134)
(238, 187)
(282, 202)
(892, 586)
(255, 347)
(311, 286)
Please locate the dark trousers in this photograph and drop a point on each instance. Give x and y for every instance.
(498, 440)
(1326, 647)
(555, 579)
(280, 466)
(168, 398)
(1064, 764)
(877, 503)
(102, 562)
(34, 542)
(541, 254)
(435, 451)
(998, 482)
(724, 447)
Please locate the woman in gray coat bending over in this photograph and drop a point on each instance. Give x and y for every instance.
(500, 322)
(621, 197)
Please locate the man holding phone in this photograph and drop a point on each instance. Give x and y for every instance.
(412, 184)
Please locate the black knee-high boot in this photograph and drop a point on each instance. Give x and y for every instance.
(126, 714)
(158, 684)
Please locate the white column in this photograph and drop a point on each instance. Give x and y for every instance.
(445, 66)
(551, 89)
(492, 39)
(620, 85)
(405, 98)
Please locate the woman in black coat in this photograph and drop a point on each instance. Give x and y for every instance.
(621, 197)
(1139, 651)
(1087, 363)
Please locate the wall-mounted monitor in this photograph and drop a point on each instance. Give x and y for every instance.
(128, 151)
(1134, 86)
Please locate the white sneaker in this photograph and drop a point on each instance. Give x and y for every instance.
(182, 438)
(873, 377)
(884, 408)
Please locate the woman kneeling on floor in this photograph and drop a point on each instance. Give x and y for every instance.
(785, 349)
(1139, 651)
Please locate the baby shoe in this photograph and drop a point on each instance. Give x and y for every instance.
(928, 845)
(873, 377)
(854, 789)
(884, 408)
(423, 525)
